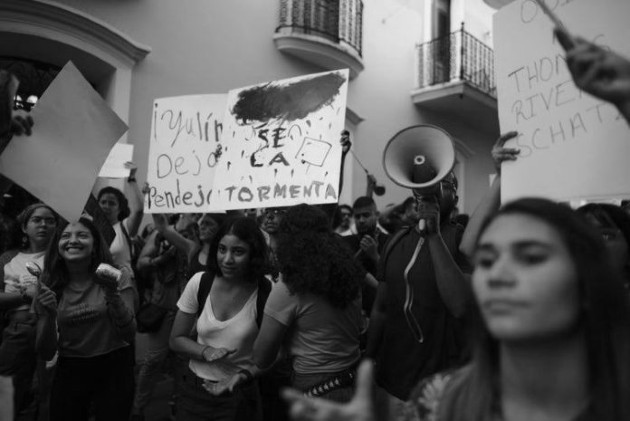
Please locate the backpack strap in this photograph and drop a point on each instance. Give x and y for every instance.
(205, 284)
(132, 253)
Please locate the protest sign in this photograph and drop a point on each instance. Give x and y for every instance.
(281, 143)
(184, 150)
(573, 146)
(73, 133)
(114, 166)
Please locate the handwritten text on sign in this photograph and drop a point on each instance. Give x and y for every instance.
(572, 145)
(281, 143)
(184, 151)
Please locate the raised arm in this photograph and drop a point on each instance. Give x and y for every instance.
(136, 201)
(492, 200)
(598, 71)
(189, 247)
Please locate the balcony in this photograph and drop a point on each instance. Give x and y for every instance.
(456, 77)
(326, 33)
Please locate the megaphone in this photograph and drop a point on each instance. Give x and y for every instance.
(419, 157)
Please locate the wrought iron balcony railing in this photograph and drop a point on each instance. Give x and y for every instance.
(339, 21)
(458, 56)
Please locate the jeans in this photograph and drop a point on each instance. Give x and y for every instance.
(18, 358)
(104, 382)
(152, 361)
(196, 404)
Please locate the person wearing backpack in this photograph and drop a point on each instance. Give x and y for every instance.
(225, 305)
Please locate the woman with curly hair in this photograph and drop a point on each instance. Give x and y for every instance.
(92, 327)
(315, 308)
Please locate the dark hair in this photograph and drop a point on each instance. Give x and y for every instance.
(55, 273)
(123, 203)
(473, 394)
(363, 202)
(28, 211)
(10, 234)
(246, 230)
(312, 259)
(26, 214)
(337, 217)
(606, 214)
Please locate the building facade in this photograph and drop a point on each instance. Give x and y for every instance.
(411, 62)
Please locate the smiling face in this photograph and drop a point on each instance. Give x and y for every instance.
(525, 280)
(76, 243)
(39, 228)
(233, 257)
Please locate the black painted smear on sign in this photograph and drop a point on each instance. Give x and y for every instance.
(290, 102)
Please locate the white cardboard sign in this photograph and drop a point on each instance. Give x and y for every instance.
(573, 146)
(184, 149)
(281, 143)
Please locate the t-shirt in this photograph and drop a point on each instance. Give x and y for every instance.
(16, 276)
(322, 338)
(85, 327)
(119, 248)
(401, 359)
(238, 332)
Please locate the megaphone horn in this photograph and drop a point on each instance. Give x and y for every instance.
(419, 157)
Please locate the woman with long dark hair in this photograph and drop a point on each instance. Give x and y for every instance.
(92, 328)
(315, 308)
(553, 329)
(125, 216)
(224, 305)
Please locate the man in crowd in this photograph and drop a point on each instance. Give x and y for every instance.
(416, 324)
(367, 244)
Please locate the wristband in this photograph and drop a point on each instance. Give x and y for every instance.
(131, 180)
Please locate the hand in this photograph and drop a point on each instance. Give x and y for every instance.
(501, 154)
(369, 246)
(21, 123)
(599, 72)
(360, 408)
(146, 188)
(108, 283)
(132, 167)
(210, 354)
(429, 212)
(228, 384)
(46, 301)
(345, 142)
(159, 221)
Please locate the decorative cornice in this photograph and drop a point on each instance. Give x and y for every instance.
(67, 20)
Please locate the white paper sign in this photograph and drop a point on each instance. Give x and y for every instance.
(573, 146)
(281, 143)
(73, 133)
(184, 150)
(114, 166)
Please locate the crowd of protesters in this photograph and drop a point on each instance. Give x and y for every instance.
(520, 312)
